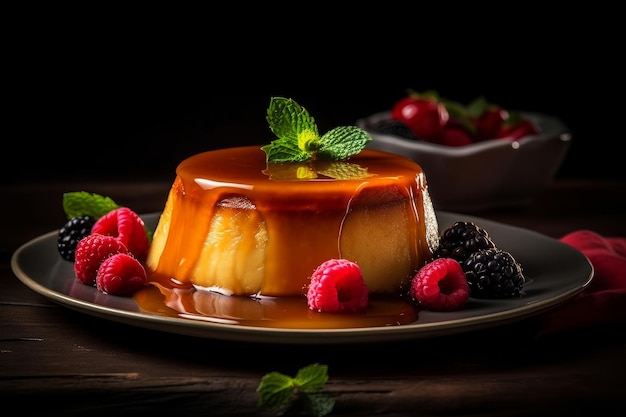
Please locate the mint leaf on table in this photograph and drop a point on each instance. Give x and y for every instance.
(82, 203)
(318, 404)
(298, 137)
(311, 377)
(276, 390)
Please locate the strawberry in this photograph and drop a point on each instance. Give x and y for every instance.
(517, 130)
(91, 251)
(426, 117)
(490, 122)
(455, 137)
(438, 120)
(128, 227)
(336, 286)
(486, 117)
(440, 285)
(121, 274)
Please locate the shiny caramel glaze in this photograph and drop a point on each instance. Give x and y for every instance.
(299, 217)
(270, 312)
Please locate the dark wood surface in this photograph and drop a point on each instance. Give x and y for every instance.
(64, 362)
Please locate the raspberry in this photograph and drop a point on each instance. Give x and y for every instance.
(71, 233)
(128, 227)
(461, 240)
(493, 273)
(121, 274)
(440, 286)
(91, 251)
(337, 285)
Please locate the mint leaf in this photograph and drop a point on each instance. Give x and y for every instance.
(342, 142)
(515, 117)
(276, 390)
(460, 113)
(298, 138)
(432, 95)
(296, 131)
(282, 150)
(288, 120)
(318, 403)
(312, 377)
(478, 107)
(82, 203)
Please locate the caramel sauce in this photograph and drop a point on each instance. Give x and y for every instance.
(303, 215)
(269, 312)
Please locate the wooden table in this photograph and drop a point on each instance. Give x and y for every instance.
(64, 362)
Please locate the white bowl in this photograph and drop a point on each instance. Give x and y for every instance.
(484, 175)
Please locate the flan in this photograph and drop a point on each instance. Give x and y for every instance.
(237, 225)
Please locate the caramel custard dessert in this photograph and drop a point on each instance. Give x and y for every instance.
(243, 229)
(235, 225)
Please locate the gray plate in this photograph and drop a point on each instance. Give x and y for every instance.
(555, 272)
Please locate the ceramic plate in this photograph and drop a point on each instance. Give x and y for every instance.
(555, 272)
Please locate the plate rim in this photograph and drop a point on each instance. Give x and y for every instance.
(241, 333)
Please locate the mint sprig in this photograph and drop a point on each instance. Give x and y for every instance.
(82, 203)
(298, 137)
(276, 390)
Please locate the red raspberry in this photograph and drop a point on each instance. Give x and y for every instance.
(440, 285)
(337, 285)
(91, 251)
(121, 274)
(128, 227)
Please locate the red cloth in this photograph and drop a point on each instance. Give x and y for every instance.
(604, 300)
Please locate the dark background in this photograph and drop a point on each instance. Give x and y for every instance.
(140, 134)
(93, 107)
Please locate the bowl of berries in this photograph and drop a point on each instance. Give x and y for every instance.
(476, 156)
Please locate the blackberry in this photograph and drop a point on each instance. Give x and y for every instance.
(493, 273)
(461, 240)
(71, 233)
(394, 127)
